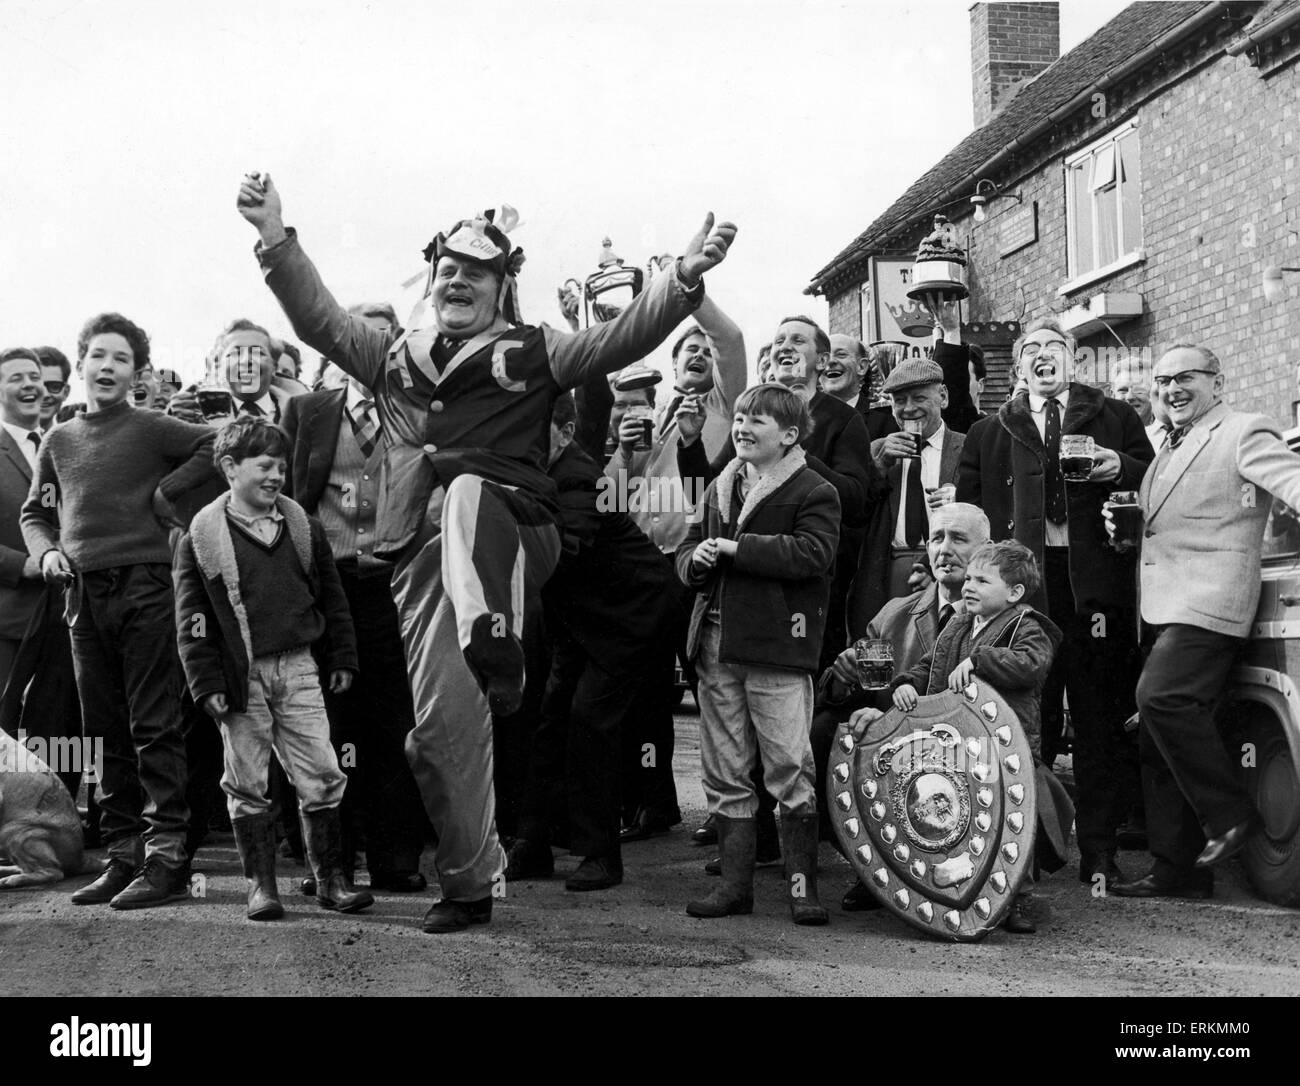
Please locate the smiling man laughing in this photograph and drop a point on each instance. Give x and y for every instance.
(1011, 467)
(1205, 502)
(465, 508)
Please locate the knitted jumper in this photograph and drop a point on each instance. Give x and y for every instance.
(92, 494)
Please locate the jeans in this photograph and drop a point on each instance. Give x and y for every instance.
(286, 714)
(129, 683)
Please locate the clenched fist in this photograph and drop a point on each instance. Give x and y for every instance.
(259, 203)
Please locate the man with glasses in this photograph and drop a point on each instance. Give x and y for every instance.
(56, 376)
(1205, 502)
(1011, 468)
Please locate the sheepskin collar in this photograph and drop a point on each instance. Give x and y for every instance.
(1085, 405)
(766, 486)
(214, 552)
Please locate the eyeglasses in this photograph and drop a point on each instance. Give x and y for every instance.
(1182, 380)
(55, 387)
(1057, 349)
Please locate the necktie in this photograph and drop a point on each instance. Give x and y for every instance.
(1176, 436)
(916, 521)
(365, 425)
(34, 438)
(945, 613)
(670, 414)
(1054, 481)
(444, 350)
(254, 410)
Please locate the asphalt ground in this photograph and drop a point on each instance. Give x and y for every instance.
(636, 939)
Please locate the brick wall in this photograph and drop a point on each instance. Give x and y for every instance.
(846, 313)
(1009, 43)
(1220, 184)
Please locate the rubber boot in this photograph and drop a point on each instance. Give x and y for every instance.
(255, 839)
(737, 839)
(323, 833)
(799, 843)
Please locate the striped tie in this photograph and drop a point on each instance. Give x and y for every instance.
(365, 424)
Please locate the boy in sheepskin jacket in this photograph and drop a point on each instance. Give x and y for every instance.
(256, 592)
(761, 561)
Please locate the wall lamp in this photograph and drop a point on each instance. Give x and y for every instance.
(1274, 288)
(986, 192)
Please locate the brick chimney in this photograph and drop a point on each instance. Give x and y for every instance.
(1009, 43)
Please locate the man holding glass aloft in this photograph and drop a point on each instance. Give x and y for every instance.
(1011, 467)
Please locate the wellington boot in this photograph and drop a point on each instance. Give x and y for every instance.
(737, 840)
(255, 839)
(799, 843)
(324, 838)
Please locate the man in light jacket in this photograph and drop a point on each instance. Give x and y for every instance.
(1205, 501)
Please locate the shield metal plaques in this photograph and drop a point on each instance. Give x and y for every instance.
(936, 810)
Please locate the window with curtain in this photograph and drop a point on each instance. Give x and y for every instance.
(1103, 203)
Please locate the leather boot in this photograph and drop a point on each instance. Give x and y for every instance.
(799, 843)
(737, 840)
(255, 839)
(323, 832)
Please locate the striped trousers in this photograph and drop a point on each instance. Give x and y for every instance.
(478, 562)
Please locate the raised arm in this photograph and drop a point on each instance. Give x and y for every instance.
(317, 318)
(729, 367)
(969, 486)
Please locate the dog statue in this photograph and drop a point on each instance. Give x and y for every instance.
(40, 830)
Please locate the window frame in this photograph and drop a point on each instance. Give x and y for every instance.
(1124, 259)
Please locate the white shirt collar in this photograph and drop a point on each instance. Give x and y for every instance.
(356, 397)
(20, 436)
(1037, 403)
(935, 440)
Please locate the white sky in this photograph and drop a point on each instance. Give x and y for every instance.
(127, 125)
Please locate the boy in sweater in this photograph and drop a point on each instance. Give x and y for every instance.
(760, 560)
(97, 519)
(258, 601)
(997, 639)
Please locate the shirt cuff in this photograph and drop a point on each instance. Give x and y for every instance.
(692, 292)
(268, 256)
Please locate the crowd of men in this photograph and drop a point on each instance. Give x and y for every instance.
(519, 624)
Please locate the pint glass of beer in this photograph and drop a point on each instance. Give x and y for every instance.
(1127, 514)
(645, 414)
(875, 662)
(1077, 455)
(912, 428)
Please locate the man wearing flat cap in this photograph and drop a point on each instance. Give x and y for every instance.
(896, 537)
(465, 509)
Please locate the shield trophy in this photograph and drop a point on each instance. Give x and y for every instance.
(936, 810)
